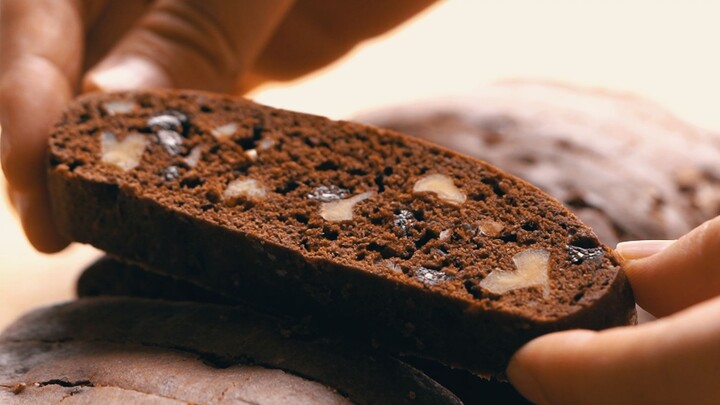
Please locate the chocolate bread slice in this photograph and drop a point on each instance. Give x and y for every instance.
(125, 350)
(410, 245)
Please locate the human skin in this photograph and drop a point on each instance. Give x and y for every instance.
(51, 50)
(673, 360)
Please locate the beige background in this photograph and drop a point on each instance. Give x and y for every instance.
(665, 50)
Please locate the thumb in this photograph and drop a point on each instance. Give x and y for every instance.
(669, 361)
(680, 274)
(200, 44)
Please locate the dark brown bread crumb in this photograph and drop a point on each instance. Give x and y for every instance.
(252, 217)
(124, 350)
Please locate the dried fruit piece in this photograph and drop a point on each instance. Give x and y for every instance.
(579, 254)
(125, 154)
(172, 120)
(170, 140)
(531, 270)
(430, 276)
(171, 173)
(328, 193)
(441, 185)
(404, 220)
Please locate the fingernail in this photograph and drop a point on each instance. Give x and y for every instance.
(126, 73)
(525, 383)
(638, 249)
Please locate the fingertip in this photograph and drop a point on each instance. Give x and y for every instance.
(524, 381)
(640, 249)
(33, 93)
(680, 274)
(37, 221)
(126, 72)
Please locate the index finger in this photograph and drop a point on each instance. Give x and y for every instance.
(40, 59)
(680, 275)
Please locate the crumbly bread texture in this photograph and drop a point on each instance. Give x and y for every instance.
(124, 350)
(111, 277)
(410, 245)
(625, 166)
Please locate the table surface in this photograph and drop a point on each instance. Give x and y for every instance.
(659, 50)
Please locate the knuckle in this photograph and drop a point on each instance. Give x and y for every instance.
(707, 238)
(197, 31)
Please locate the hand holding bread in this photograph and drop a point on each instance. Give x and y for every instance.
(50, 50)
(672, 360)
(85, 46)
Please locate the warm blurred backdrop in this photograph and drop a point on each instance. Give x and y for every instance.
(662, 50)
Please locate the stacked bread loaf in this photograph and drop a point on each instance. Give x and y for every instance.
(375, 244)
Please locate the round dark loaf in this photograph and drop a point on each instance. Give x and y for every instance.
(125, 350)
(418, 248)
